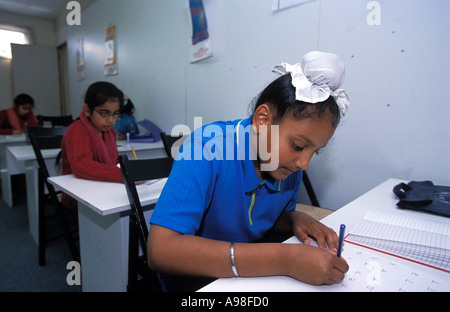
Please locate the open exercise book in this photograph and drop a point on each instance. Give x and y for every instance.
(413, 236)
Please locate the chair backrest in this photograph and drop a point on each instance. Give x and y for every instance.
(169, 141)
(137, 171)
(64, 121)
(40, 143)
(44, 132)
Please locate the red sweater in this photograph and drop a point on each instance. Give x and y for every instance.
(79, 157)
(6, 127)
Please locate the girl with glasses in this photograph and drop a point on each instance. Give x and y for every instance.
(89, 149)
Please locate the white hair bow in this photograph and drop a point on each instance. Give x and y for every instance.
(318, 77)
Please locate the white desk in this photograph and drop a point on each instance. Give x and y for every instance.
(21, 159)
(143, 150)
(103, 228)
(381, 196)
(5, 141)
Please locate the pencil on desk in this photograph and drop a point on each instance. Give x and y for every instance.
(134, 153)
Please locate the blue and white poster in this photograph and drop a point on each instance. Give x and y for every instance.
(200, 43)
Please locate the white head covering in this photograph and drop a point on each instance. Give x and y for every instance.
(318, 77)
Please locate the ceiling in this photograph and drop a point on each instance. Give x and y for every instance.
(46, 9)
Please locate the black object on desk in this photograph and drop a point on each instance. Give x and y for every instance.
(424, 196)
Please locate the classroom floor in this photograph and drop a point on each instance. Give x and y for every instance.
(19, 268)
(315, 212)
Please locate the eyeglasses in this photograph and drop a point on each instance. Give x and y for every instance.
(106, 114)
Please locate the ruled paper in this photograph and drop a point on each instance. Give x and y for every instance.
(417, 237)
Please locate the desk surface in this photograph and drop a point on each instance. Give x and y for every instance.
(123, 146)
(381, 197)
(26, 152)
(6, 139)
(106, 198)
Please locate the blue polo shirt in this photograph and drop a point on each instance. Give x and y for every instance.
(214, 191)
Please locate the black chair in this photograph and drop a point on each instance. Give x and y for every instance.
(310, 190)
(168, 142)
(56, 121)
(50, 198)
(43, 132)
(136, 171)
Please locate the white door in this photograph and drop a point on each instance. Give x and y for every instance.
(35, 72)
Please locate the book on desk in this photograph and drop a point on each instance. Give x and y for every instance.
(414, 236)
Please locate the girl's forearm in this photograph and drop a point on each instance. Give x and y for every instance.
(173, 253)
(205, 257)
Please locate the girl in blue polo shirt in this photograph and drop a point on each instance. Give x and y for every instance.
(234, 182)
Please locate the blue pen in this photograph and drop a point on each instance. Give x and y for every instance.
(341, 240)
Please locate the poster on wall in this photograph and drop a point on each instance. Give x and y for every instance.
(200, 42)
(284, 4)
(110, 52)
(79, 51)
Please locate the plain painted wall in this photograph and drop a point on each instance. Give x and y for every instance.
(398, 124)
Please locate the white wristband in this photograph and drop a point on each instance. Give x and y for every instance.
(233, 266)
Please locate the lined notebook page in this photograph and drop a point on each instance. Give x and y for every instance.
(418, 237)
(416, 221)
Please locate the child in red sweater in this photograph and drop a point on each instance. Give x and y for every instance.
(13, 120)
(89, 149)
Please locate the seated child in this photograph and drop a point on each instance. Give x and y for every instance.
(89, 149)
(244, 184)
(126, 123)
(13, 120)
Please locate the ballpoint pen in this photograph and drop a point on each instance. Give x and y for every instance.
(341, 240)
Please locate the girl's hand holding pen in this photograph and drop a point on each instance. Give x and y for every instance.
(313, 265)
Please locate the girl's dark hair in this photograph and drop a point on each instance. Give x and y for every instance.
(23, 99)
(280, 95)
(101, 92)
(128, 109)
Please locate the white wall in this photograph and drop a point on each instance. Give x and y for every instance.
(397, 77)
(151, 55)
(399, 120)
